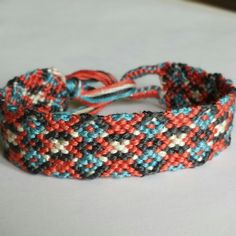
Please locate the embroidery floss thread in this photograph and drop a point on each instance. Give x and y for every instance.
(40, 134)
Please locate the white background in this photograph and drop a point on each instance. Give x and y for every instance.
(116, 36)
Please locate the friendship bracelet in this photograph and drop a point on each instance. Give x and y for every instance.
(41, 135)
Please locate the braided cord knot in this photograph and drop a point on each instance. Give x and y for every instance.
(82, 86)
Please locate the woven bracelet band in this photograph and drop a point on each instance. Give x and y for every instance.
(41, 135)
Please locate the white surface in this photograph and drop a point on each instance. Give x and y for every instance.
(116, 36)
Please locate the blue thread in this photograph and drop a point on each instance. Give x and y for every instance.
(108, 98)
(184, 110)
(66, 116)
(224, 100)
(175, 168)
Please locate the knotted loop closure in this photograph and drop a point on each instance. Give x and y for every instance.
(83, 87)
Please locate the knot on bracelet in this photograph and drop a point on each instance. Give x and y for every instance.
(83, 86)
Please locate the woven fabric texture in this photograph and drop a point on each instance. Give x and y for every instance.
(40, 134)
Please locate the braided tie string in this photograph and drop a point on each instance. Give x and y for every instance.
(82, 85)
